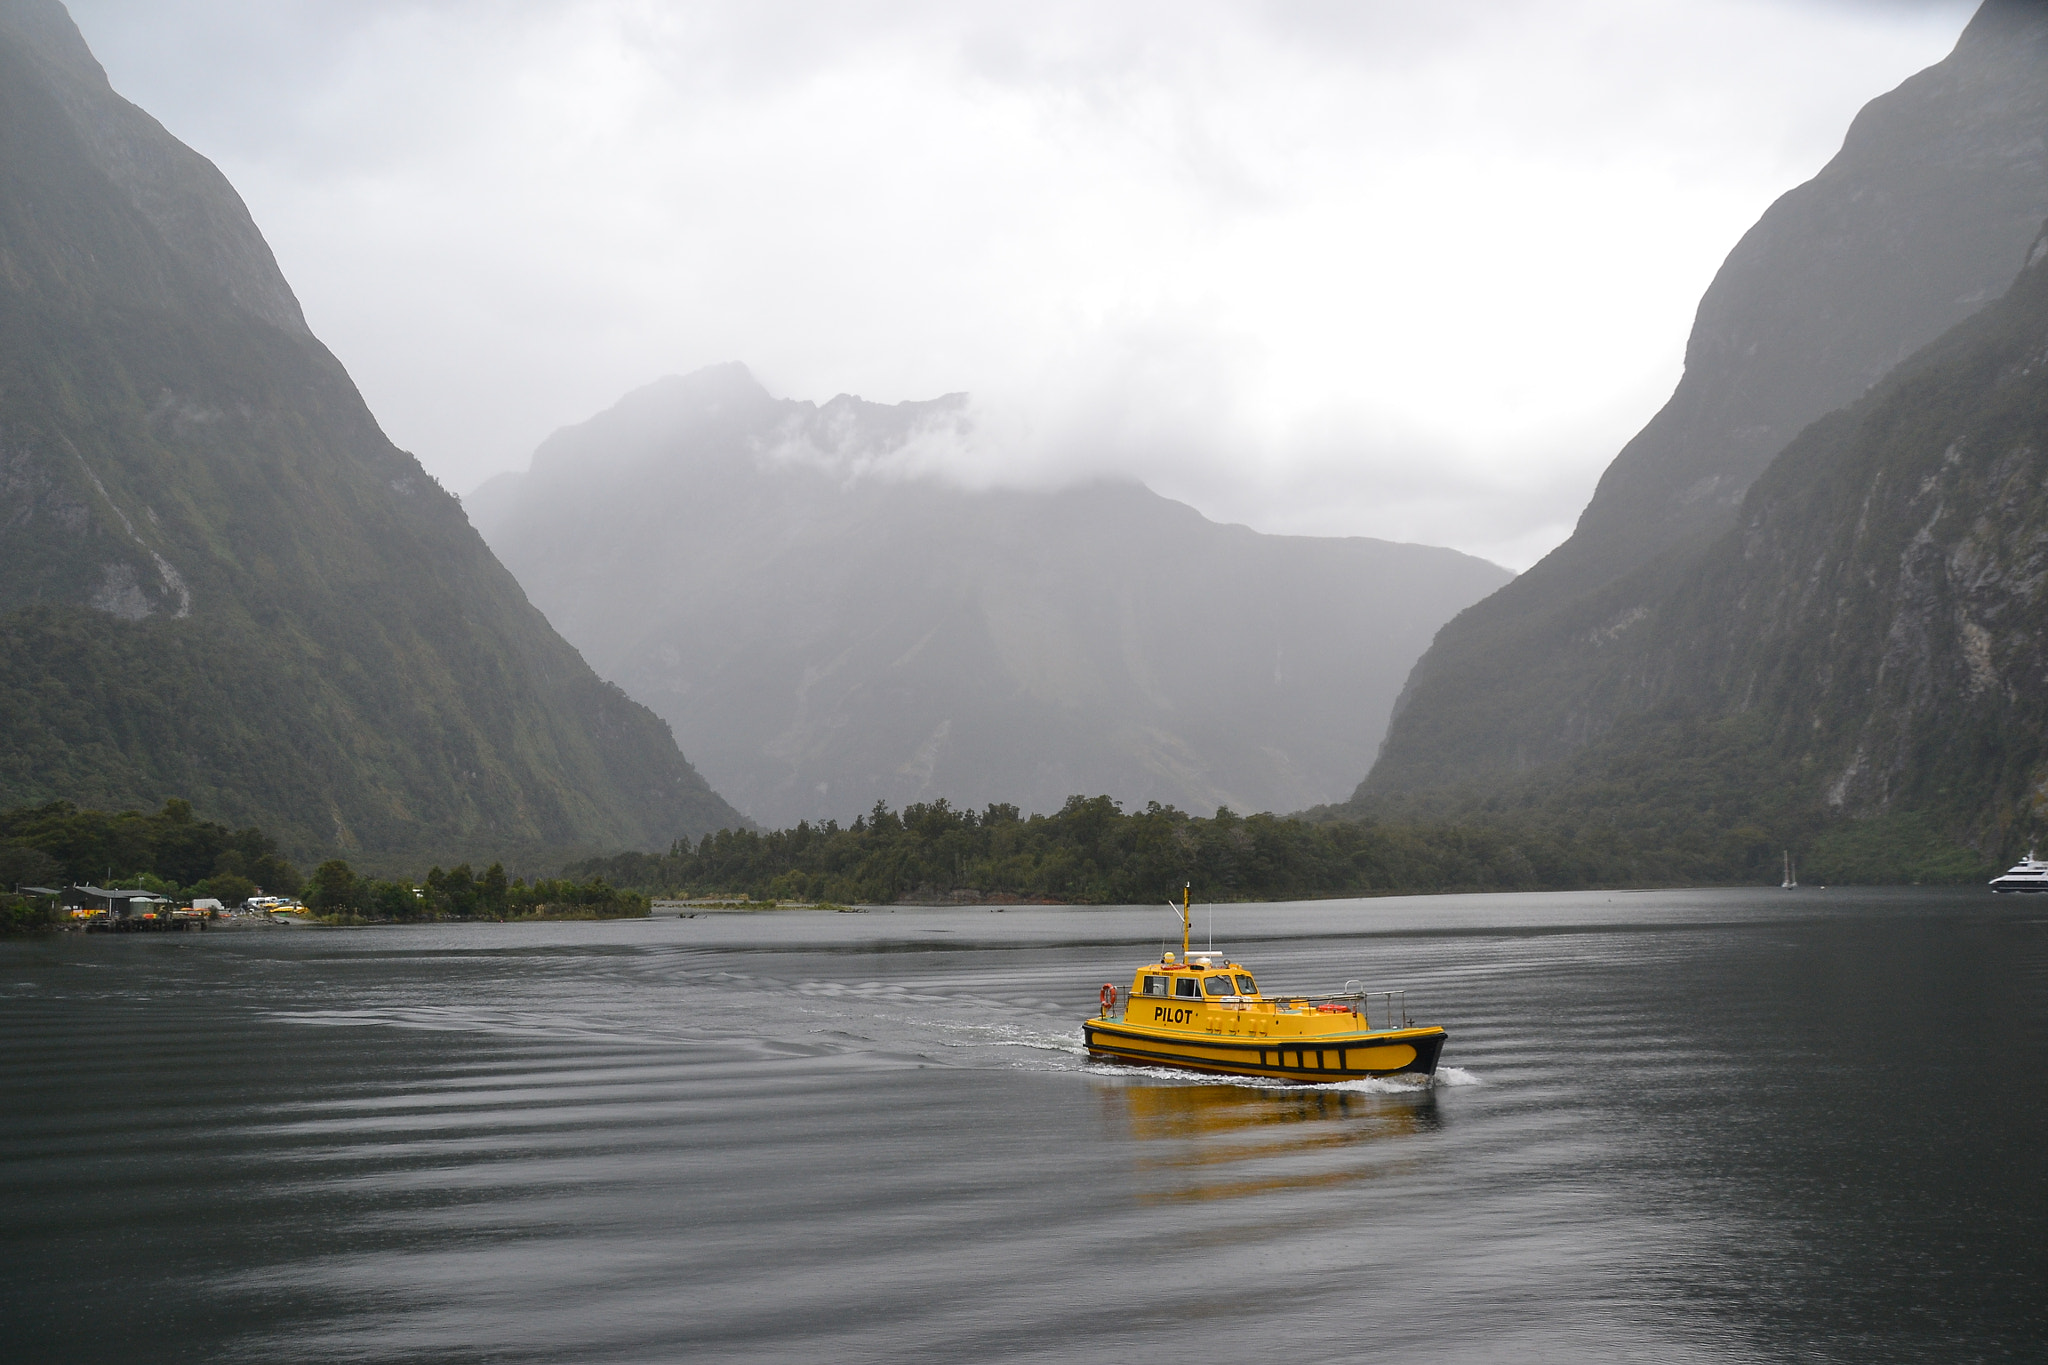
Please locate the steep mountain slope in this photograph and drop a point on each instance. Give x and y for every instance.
(218, 579)
(1881, 608)
(822, 636)
(1919, 221)
(1868, 641)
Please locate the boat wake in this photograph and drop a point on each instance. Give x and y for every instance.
(537, 1025)
(1406, 1083)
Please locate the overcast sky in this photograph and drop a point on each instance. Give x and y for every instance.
(1411, 270)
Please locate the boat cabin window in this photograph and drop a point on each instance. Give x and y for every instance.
(1246, 986)
(1219, 985)
(1155, 985)
(1186, 985)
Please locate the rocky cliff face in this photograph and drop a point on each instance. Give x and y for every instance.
(823, 634)
(218, 579)
(1918, 222)
(1881, 601)
(1870, 639)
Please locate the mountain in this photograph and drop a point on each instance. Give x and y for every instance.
(218, 579)
(1870, 640)
(1917, 223)
(823, 633)
(1881, 607)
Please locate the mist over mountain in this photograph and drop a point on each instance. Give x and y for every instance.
(1919, 222)
(824, 629)
(218, 579)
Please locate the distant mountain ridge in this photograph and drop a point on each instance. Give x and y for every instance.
(1920, 221)
(824, 631)
(218, 579)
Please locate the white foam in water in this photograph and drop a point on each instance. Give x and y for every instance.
(1406, 1084)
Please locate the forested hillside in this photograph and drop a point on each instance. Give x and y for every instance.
(218, 579)
(1921, 220)
(1862, 661)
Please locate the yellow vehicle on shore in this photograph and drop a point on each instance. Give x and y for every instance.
(1202, 1012)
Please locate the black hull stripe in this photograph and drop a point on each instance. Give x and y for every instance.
(1427, 1050)
(1328, 1043)
(1426, 1066)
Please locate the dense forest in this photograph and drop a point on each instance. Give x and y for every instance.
(170, 850)
(174, 853)
(337, 894)
(1677, 823)
(1093, 852)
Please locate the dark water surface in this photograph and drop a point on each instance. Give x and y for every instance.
(1672, 1127)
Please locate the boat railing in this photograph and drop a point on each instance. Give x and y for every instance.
(1393, 1004)
(1390, 1008)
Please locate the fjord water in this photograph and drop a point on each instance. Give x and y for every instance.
(1673, 1126)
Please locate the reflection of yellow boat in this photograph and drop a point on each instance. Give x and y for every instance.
(1225, 1141)
(1202, 1014)
(1264, 1121)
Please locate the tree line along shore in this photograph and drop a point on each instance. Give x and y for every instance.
(1090, 851)
(181, 857)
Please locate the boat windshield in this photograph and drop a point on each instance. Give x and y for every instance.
(1219, 985)
(1245, 986)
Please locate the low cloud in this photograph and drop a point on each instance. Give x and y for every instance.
(1404, 271)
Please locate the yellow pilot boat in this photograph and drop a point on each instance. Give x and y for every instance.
(1202, 1012)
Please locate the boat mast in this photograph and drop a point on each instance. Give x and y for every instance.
(1185, 922)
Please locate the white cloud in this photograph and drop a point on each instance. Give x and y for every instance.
(1414, 271)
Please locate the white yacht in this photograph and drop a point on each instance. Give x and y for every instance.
(2028, 874)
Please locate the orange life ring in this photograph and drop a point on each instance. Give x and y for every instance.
(1108, 998)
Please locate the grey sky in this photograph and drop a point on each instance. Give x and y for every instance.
(1408, 270)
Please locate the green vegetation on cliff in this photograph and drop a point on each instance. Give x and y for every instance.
(1859, 665)
(1730, 566)
(218, 578)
